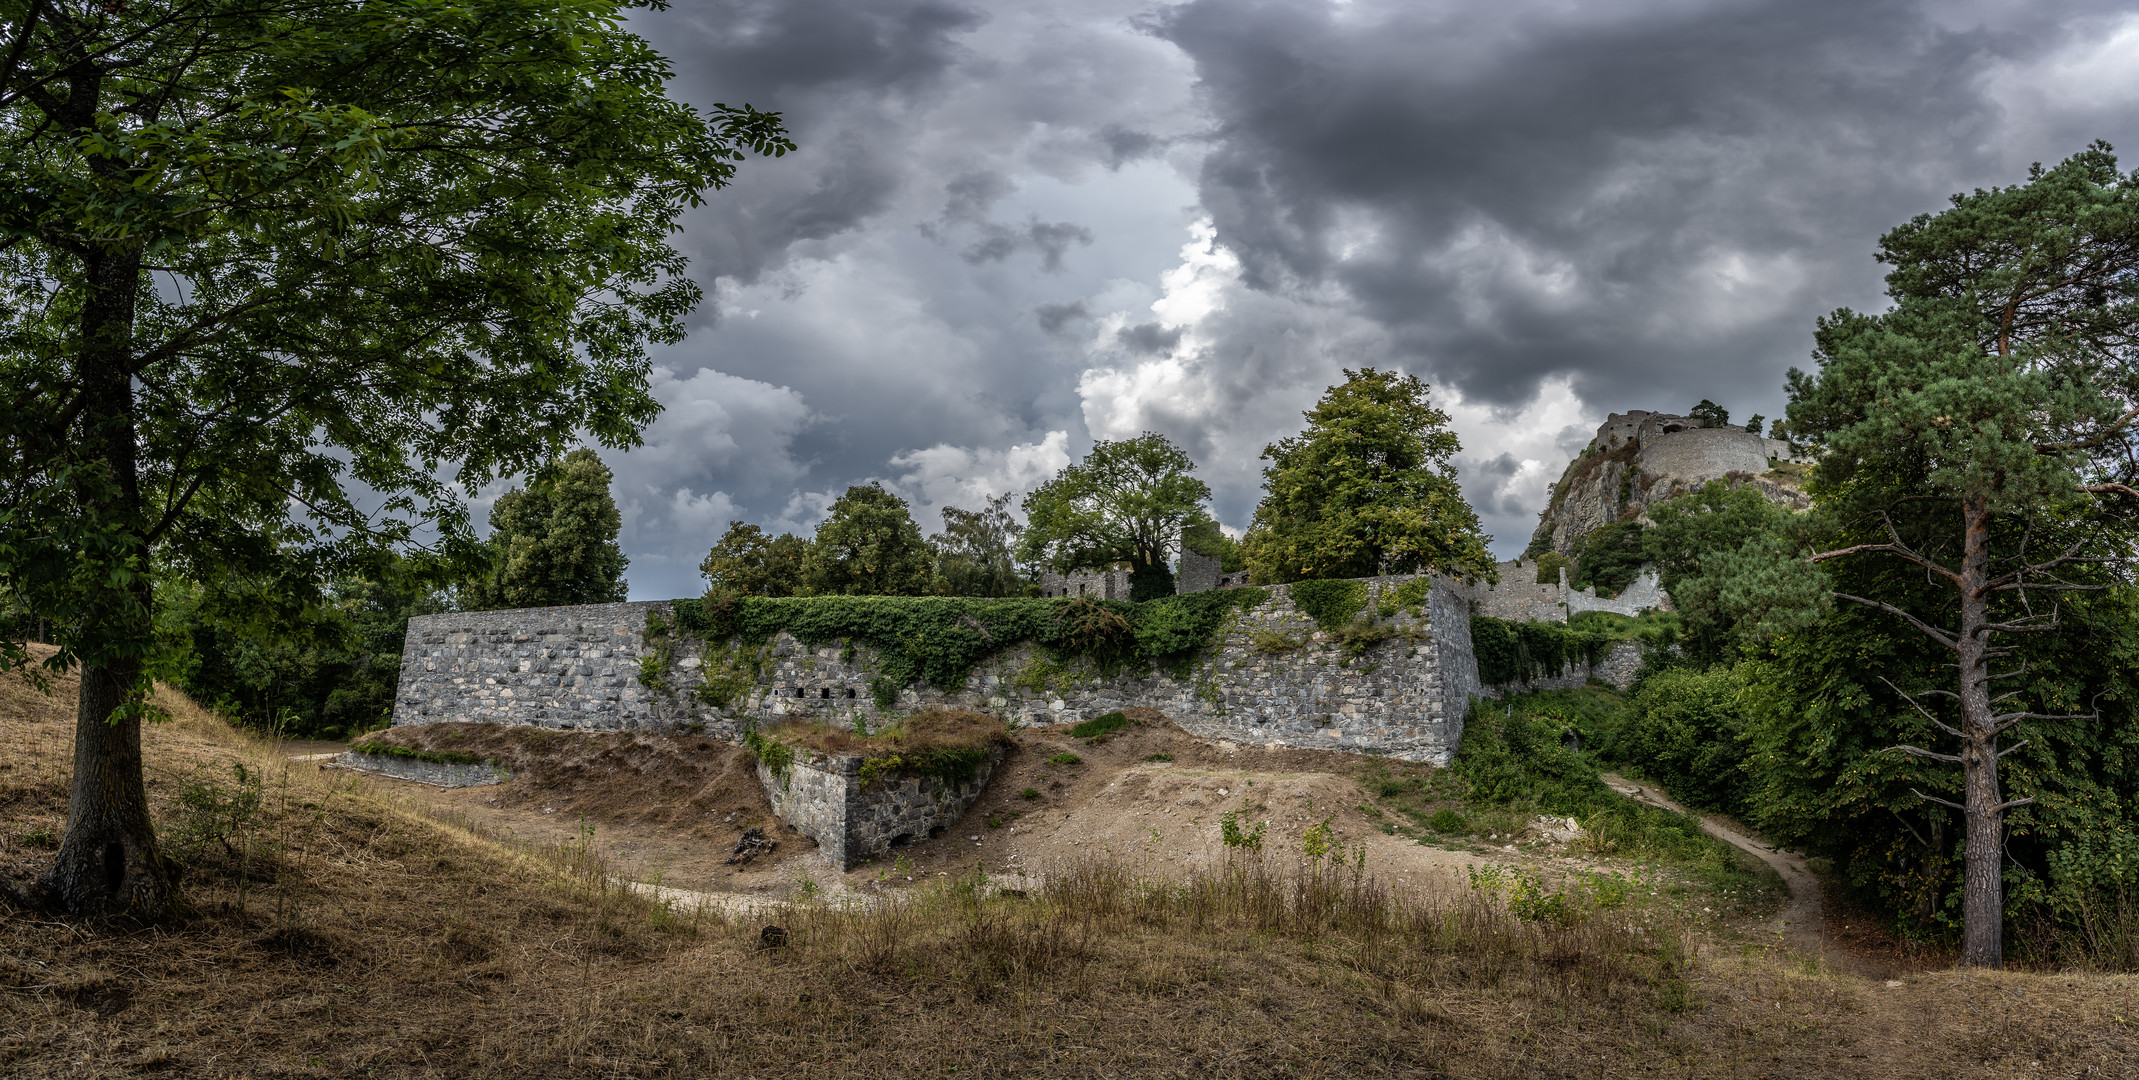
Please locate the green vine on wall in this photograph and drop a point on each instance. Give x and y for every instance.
(939, 639)
(1331, 603)
(1518, 652)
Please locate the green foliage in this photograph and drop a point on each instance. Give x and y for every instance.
(1725, 554)
(1690, 736)
(729, 673)
(435, 757)
(974, 552)
(1065, 758)
(275, 654)
(868, 546)
(777, 757)
(1609, 558)
(1518, 652)
(210, 816)
(1549, 565)
(1240, 839)
(1520, 754)
(939, 638)
(1161, 756)
(554, 542)
(1332, 604)
(884, 692)
(1712, 414)
(1029, 794)
(1126, 502)
(1367, 489)
(1446, 820)
(747, 562)
(1656, 629)
(1978, 434)
(1205, 538)
(1099, 727)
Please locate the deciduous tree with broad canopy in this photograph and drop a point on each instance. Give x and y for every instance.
(280, 282)
(1367, 489)
(1126, 502)
(554, 541)
(1980, 432)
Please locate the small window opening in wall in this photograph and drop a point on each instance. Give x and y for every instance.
(850, 691)
(825, 693)
(1080, 590)
(902, 840)
(800, 691)
(936, 831)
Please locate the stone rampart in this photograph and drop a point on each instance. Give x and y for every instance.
(580, 668)
(855, 819)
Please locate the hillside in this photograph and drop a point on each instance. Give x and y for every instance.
(352, 926)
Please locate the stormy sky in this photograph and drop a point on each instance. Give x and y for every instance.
(1018, 227)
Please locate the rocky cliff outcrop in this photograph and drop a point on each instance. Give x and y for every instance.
(1640, 459)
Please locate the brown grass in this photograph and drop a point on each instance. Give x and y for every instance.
(371, 941)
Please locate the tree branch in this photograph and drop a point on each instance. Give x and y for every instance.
(1915, 751)
(2097, 440)
(1935, 634)
(1936, 799)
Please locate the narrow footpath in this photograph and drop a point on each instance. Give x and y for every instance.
(1801, 922)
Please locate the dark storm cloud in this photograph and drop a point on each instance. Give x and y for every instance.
(1654, 200)
(1124, 145)
(1052, 239)
(1053, 317)
(1149, 339)
(842, 74)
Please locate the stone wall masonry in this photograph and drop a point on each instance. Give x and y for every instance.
(825, 799)
(578, 668)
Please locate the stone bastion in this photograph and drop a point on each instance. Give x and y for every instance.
(579, 668)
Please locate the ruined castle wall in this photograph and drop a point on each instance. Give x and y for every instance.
(579, 668)
(1617, 668)
(853, 821)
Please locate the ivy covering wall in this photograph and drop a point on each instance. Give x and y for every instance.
(939, 639)
(1518, 652)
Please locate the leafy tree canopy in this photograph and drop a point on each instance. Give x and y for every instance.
(1205, 538)
(869, 546)
(1126, 502)
(1610, 558)
(279, 281)
(748, 562)
(1712, 414)
(1367, 489)
(554, 542)
(975, 553)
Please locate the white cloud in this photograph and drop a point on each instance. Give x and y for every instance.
(965, 476)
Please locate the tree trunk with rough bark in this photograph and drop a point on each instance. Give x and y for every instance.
(1982, 881)
(109, 863)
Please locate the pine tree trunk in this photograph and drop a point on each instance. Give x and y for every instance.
(1982, 880)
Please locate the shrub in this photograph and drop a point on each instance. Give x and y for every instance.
(1445, 820)
(1689, 735)
(1331, 603)
(1065, 758)
(1099, 727)
(1517, 652)
(1029, 794)
(1160, 757)
(211, 816)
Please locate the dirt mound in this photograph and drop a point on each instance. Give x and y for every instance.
(686, 784)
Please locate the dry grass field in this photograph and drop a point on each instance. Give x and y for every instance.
(339, 931)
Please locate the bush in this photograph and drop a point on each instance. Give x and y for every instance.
(1332, 603)
(1445, 820)
(1065, 758)
(215, 819)
(1099, 727)
(1519, 652)
(1689, 735)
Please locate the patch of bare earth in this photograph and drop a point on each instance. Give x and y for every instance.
(356, 933)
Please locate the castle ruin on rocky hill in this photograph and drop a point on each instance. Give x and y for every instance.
(1641, 458)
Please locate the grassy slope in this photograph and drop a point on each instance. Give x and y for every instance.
(355, 939)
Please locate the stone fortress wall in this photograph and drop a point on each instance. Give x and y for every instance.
(579, 668)
(1520, 597)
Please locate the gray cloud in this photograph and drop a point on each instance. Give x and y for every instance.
(1149, 339)
(1653, 199)
(1053, 317)
(976, 263)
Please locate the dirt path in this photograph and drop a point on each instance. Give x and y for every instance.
(1801, 922)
